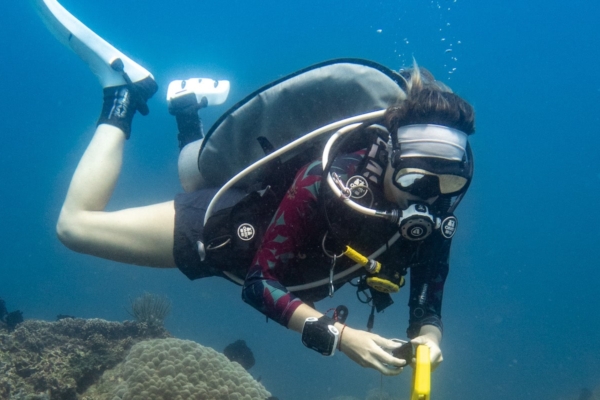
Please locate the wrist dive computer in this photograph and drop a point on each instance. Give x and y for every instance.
(320, 335)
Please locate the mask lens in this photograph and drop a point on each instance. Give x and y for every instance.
(451, 183)
(407, 180)
(418, 184)
(426, 184)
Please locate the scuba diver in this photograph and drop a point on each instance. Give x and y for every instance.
(361, 206)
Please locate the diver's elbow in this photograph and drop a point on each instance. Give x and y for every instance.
(66, 230)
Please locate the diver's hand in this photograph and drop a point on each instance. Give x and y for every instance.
(370, 350)
(431, 337)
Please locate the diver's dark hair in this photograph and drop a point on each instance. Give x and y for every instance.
(429, 102)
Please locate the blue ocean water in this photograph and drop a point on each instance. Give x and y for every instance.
(521, 308)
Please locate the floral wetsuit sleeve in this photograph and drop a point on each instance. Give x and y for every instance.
(285, 235)
(262, 289)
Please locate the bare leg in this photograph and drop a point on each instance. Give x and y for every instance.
(142, 236)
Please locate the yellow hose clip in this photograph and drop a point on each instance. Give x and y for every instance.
(370, 265)
(421, 389)
(384, 285)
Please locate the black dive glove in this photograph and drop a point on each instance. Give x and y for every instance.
(121, 103)
(189, 126)
(185, 109)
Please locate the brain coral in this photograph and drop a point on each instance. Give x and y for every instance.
(177, 369)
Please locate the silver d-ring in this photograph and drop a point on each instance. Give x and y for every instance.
(327, 252)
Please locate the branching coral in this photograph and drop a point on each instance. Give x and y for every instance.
(58, 360)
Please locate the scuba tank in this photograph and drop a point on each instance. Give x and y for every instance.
(280, 113)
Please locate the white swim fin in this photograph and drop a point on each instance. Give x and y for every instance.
(95, 51)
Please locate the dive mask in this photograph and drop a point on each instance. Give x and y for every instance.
(431, 160)
(426, 179)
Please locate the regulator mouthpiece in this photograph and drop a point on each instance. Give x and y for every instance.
(416, 223)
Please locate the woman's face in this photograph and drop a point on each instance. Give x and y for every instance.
(395, 195)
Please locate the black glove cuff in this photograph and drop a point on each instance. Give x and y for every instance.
(190, 128)
(121, 103)
(118, 109)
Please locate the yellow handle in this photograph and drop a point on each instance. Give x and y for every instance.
(356, 256)
(360, 259)
(422, 375)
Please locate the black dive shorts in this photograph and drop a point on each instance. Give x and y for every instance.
(190, 209)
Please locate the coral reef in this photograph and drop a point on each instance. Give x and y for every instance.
(587, 394)
(176, 369)
(9, 320)
(3, 310)
(58, 360)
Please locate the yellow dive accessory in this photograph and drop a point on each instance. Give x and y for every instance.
(384, 285)
(422, 375)
(370, 265)
(381, 284)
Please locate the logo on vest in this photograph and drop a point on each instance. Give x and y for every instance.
(358, 186)
(448, 227)
(246, 232)
(417, 232)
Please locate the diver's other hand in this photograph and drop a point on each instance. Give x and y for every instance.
(431, 341)
(372, 351)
